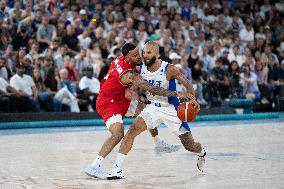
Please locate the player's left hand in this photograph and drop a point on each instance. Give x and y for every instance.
(144, 99)
(191, 98)
(195, 104)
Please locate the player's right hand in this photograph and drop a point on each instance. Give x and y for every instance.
(196, 104)
(185, 97)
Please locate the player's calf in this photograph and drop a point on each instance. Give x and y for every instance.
(189, 143)
(192, 146)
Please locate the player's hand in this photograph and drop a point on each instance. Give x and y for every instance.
(182, 95)
(144, 99)
(185, 97)
(195, 104)
(194, 101)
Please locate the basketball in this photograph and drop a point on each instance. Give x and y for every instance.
(186, 112)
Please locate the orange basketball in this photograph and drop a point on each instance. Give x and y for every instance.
(186, 112)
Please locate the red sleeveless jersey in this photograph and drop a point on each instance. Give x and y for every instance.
(111, 87)
(111, 99)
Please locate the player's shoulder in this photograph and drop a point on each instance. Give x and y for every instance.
(119, 59)
(169, 66)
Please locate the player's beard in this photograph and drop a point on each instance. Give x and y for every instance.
(151, 61)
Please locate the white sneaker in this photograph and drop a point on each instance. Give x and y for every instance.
(201, 161)
(116, 173)
(95, 172)
(164, 147)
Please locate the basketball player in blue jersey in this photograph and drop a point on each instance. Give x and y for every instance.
(161, 109)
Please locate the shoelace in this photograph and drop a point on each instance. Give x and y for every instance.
(202, 155)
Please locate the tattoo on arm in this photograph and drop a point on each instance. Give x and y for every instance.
(182, 79)
(138, 81)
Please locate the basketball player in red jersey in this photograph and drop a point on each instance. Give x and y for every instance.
(112, 104)
(161, 110)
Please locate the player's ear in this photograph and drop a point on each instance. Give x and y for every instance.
(127, 57)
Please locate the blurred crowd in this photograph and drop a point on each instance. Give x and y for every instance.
(55, 53)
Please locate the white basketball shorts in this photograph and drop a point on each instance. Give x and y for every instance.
(154, 116)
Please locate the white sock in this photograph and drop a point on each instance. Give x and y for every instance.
(201, 153)
(157, 140)
(98, 161)
(119, 159)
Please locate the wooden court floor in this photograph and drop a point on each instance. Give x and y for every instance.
(239, 156)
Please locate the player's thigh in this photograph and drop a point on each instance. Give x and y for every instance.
(170, 119)
(150, 117)
(108, 111)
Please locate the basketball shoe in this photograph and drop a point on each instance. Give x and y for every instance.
(95, 172)
(116, 173)
(163, 147)
(201, 160)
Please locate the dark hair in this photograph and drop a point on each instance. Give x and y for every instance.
(50, 76)
(127, 48)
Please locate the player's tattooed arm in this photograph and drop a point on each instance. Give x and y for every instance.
(174, 73)
(133, 78)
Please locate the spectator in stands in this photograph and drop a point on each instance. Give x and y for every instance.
(268, 53)
(281, 78)
(55, 43)
(84, 39)
(198, 79)
(247, 33)
(3, 69)
(248, 80)
(234, 78)
(52, 84)
(28, 64)
(45, 98)
(193, 58)
(81, 62)
(47, 64)
(273, 75)
(69, 65)
(219, 83)
(265, 90)
(94, 55)
(71, 40)
(20, 39)
(12, 100)
(34, 49)
(207, 58)
(66, 95)
(10, 61)
(45, 33)
(59, 57)
(89, 87)
(19, 59)
(25, 85)
(224, 58)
